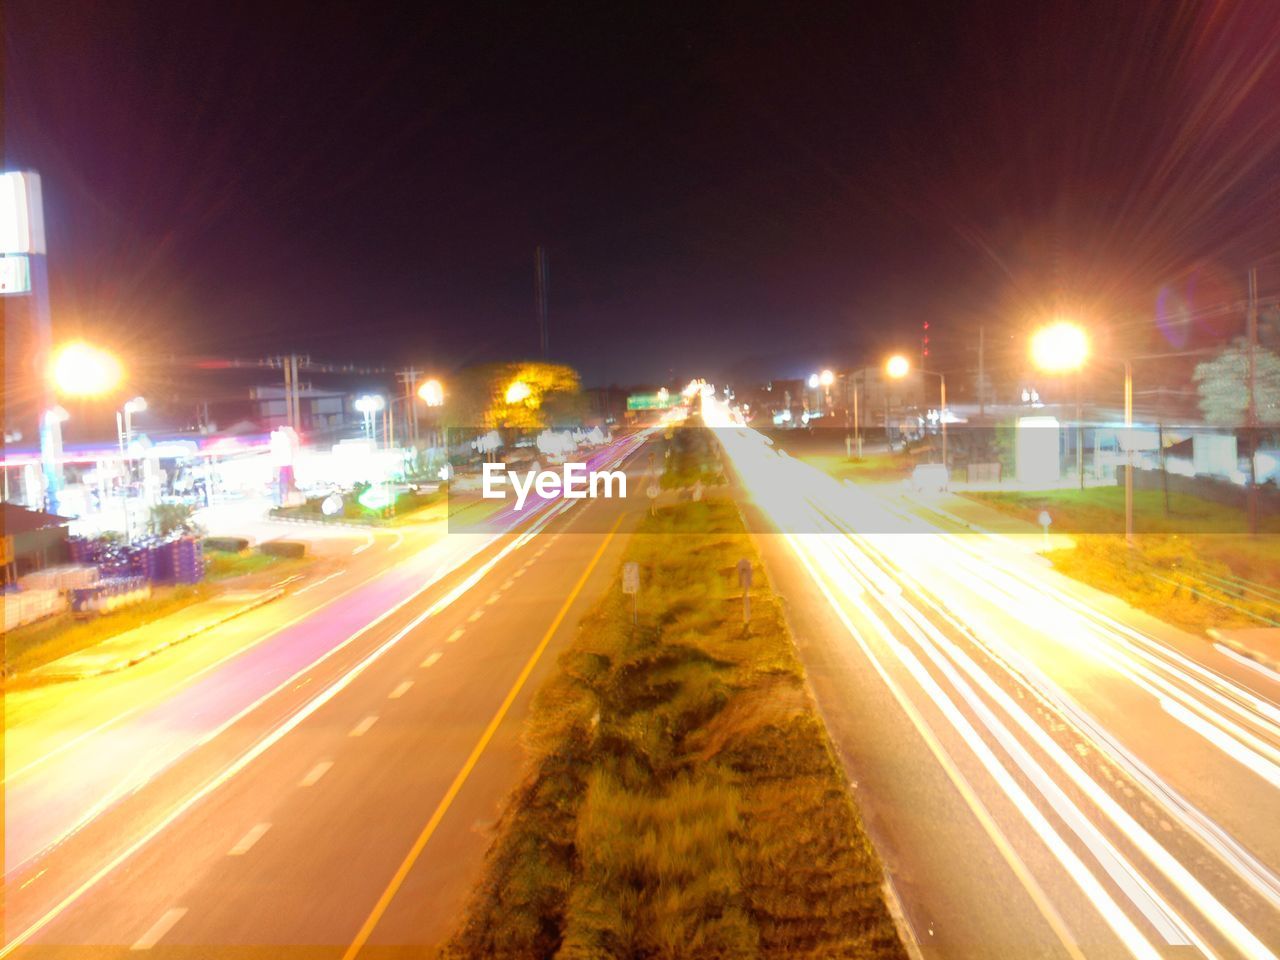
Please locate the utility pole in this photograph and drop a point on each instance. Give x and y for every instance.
(982, 373)
(541, 292)
(409, 377)
(287, 364)
(1251, 409)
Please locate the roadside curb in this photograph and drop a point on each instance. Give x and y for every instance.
(269, 595)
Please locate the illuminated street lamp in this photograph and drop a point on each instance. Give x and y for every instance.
(1063, 347)
(826, 378)
(370, 404)
(432, 393)
(518, 392)
(80, 369)
(898, 367)
(124, 434)
(813, 381)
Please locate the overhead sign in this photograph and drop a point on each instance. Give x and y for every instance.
(650, 401)
(21, 213)
(15, 275)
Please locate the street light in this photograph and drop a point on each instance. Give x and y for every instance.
(432, 393)
(518, 391)
(369, 404)
(124, 434)
(898, 367)
(80, 369)
(826, 378)
(1063, 347)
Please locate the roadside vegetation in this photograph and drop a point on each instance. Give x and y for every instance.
(692, 457)
(1191, 564)
(682, 798)
(407, 505)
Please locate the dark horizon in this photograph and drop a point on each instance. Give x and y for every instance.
(740, 191)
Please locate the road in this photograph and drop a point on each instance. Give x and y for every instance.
(1043, 777)
(332, 784)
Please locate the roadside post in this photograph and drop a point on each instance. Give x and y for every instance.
(744, 581)
(1045, 520)
(631, 585)
(652, 492)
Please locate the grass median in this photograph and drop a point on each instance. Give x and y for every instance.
(683, 799)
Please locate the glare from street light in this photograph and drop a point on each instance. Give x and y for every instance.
(1060, 347)
(827, 378)
(432, 393)
(136, 405)
(518, 391)
(897, 366)
(83, 370)
(369, 403)
(813, 381)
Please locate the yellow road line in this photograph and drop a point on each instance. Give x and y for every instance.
(455, 788)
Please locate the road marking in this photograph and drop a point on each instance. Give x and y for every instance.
(245, 843)
(312, 586)
(362, 937)
(493, 598)
(520, 572)
(508, 583)
(400, 691)
(361, 728)
(476, 615)
(398, 541)
(431, 659)
(455, 636)
(363, 547)
(315, 773)
(159, 928)
(1244, 661)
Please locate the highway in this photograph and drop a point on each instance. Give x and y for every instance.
(1042, 777)
(330, 785)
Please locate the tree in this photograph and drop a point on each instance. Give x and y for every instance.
(1223, 386)
(525, 395)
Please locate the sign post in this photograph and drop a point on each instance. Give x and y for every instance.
(631, 584)
(744, 581)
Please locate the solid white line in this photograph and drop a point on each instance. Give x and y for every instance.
(159, 928)
(398, 541)
(312, 586)
(315, 773)
(245, 843)
(455, 636)
(361, 728)
(1244, 661)
(363, 547)
(431, 659)
(400, 691)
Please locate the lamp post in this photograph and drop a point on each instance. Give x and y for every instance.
(898, 367)
(124, 434)
(1063, 347)
(368, 405)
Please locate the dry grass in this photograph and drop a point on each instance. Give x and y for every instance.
(683, 799)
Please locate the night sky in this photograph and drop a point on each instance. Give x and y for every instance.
(723, 189)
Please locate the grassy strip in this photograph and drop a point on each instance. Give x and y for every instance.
(692, 456)
(1183, 569)
(683, 799)
(46, 640)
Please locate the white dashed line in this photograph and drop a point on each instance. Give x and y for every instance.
(400, 691)
(312, 586)
(159, 928)
(245, 843)
(520, 572)
(315, 773)
(476, 615)
(508, 583)
(455, 636)
(493, 598)
(361, 728)
(431, 659)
